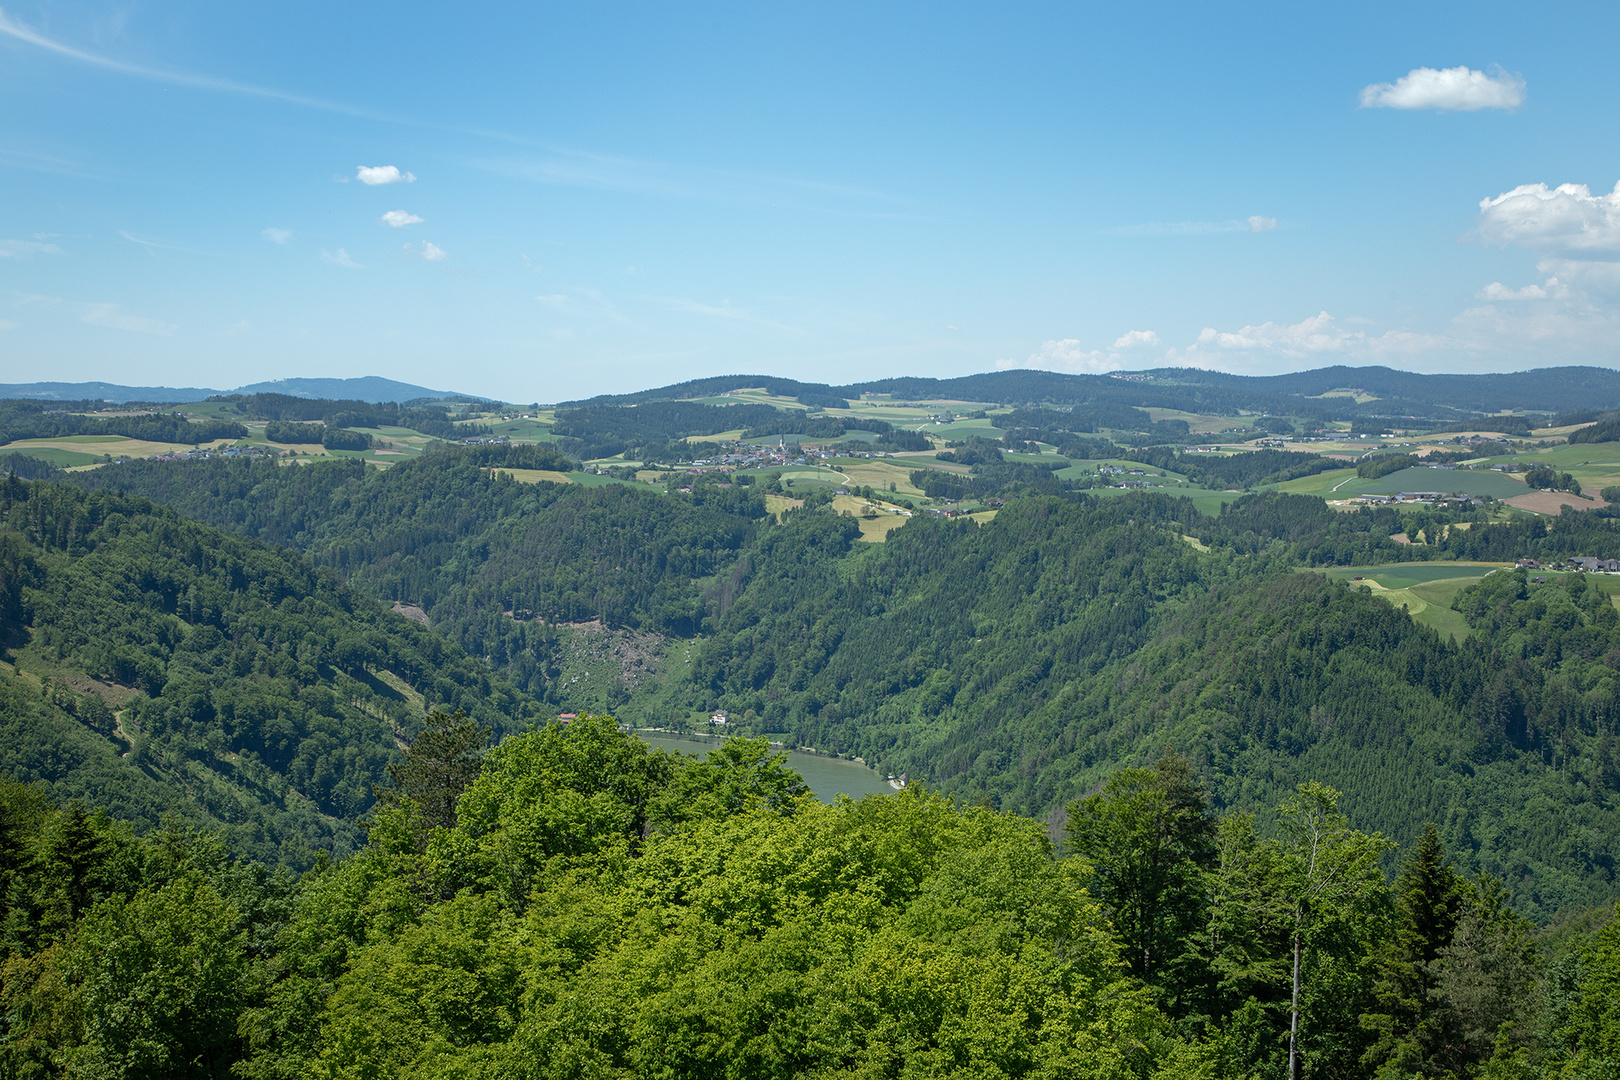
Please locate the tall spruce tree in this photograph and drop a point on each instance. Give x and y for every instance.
(1428, 902)
(441, 762)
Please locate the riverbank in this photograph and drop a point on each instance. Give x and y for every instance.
(826, 775)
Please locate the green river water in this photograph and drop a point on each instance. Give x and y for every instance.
(827, 777)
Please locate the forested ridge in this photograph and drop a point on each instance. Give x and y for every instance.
(1022, 662)
(158, 665)
(494, 563)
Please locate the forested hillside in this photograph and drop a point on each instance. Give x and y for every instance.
(32, 420)
(584, 906)
(1023, 661)
(158, 665)
(494, 563)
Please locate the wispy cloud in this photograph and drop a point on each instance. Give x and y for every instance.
(11, 28)
(159, 245)
(399, 219)
(1458, 89)
(26, 249)
(277, 236)
(1496, 291)
(1254, 223)
(339, 258)
(430, 251)
(7, 324)
(723, 311)
(372, 175)
(114, 317)
(46, 163)
(580, 304)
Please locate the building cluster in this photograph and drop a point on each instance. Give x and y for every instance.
(1419, 498)
(740, 455)
(202, 453)
(1582, 563)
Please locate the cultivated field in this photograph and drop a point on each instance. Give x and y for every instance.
(535, 476)
(84, 449)
(1551, 502)
(873, 530)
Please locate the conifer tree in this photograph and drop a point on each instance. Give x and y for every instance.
(441, 762)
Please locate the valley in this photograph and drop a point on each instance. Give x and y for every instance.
(1018, 605)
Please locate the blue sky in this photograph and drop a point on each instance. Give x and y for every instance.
(604, 197)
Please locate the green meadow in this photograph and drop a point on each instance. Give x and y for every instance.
(1425, 590)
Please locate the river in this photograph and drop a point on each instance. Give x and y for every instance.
(827, 776)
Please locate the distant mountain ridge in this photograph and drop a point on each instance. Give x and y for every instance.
(1399, 393)
(371, 388)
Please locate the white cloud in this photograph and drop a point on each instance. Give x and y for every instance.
(1567, 220)
(277, 236)
(1134, 338)
(1320, 334)
(7, 324)
(114, 317)
(1257, 223)
(1458, 89)
(1067, 354)
(382, 174)
(399, 219)
(1496, 291)
(26, 249)
(339, 258)
(433, 252)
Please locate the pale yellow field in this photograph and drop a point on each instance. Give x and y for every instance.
(1361, 396)
(780, 504)
(535, 476)
(116, 445)
(873, 530)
